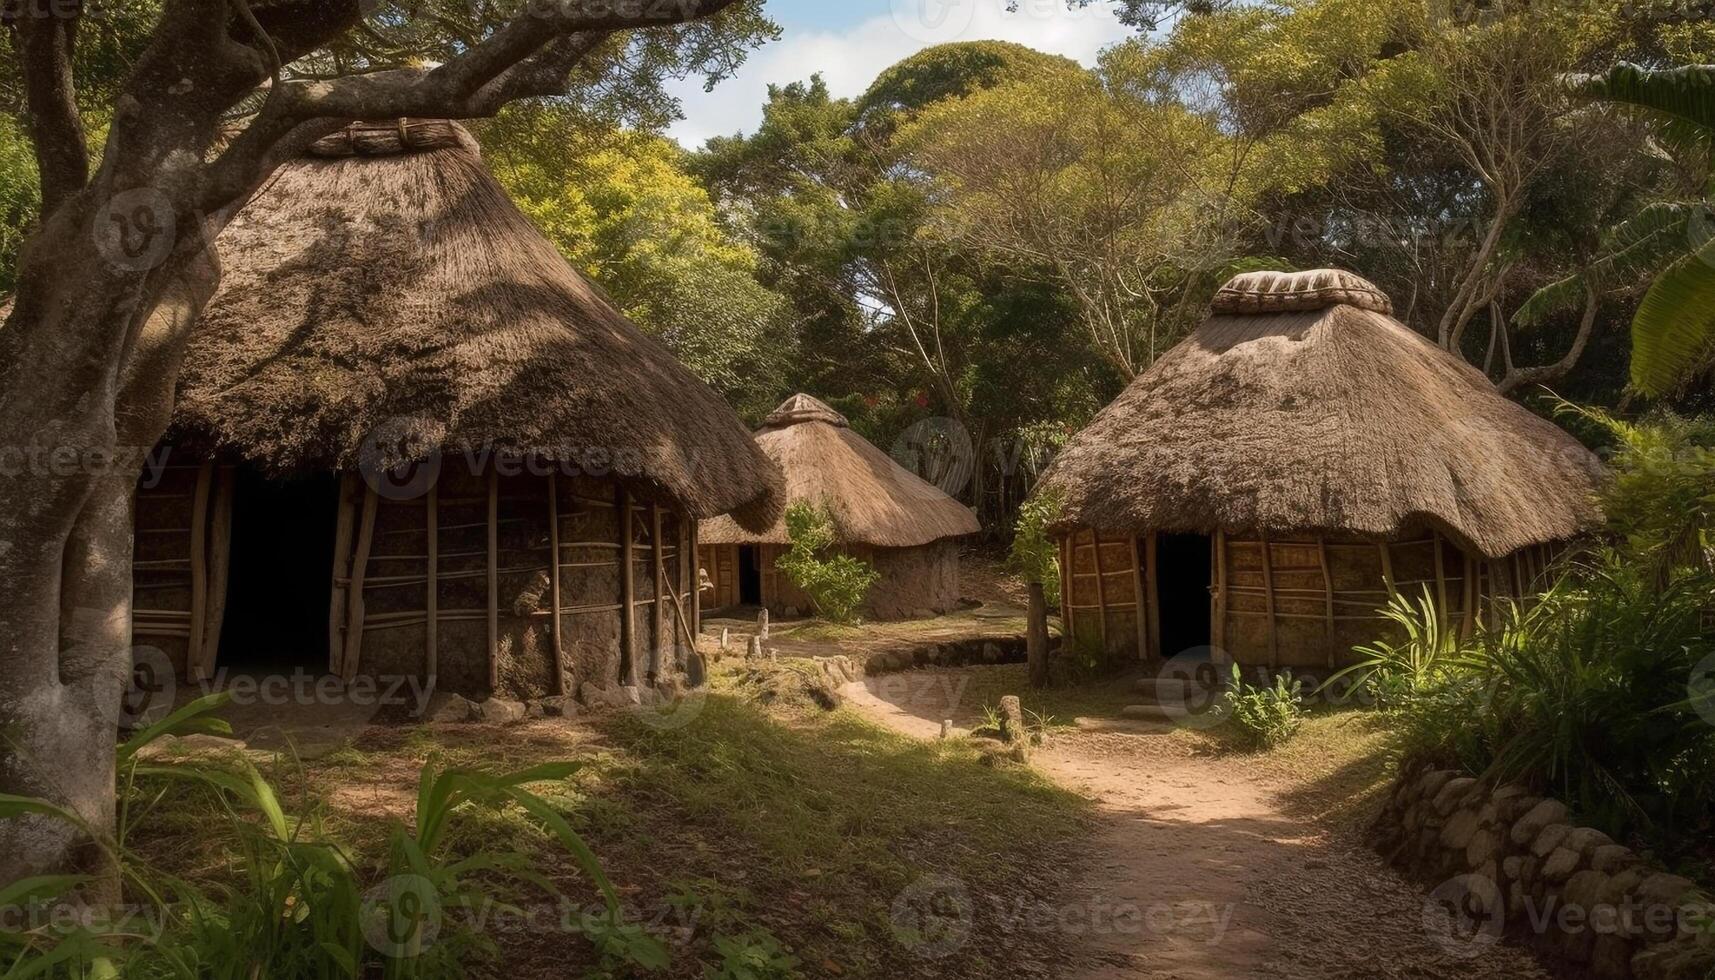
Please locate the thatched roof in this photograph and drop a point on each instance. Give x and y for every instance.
(872, 499)
(383, 299)
(1330, 417)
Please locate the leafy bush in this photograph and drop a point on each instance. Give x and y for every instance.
(836, 583)
(1397, 673)
(299, 908)
(1034, 552)
(1263, 717)
(756, 955)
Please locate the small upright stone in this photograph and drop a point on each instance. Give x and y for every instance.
(725, 639)
(755, 650)
(1011, 719)
(947, 728)
(762, 624)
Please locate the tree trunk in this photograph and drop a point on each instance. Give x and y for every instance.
(1036, 637)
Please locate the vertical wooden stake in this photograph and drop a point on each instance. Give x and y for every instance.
(1327, 595)
(1101, 587)
(493, 575)
(1140, 606)
(199, 568)
(1152, 581)
(554, 560)
(1268, 602)
(658, 648)
(627, 593)
(1441, 582)
(1219, 631)
(354, 605)
(1469, 598)
(1068, 592)
(219, 565)
(349, 488)
(432, 626)
(1387, 567)
(694, 581)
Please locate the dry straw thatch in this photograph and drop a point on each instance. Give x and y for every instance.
(1301, 406)
(872, 499)
(384, 300)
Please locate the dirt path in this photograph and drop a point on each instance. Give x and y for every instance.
(1197, 873)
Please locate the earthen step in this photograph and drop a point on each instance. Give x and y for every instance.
(1153, 712)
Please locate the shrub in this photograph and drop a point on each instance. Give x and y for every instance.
(1397, 673)
(1263, 717)
(835, 583)
(1034, 552)
(299, 908)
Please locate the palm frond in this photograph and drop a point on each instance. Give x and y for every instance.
(1686, 93)
(1673, 334)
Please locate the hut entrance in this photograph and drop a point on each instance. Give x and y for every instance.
(280, 581)
(1183, 571)
(749, 575)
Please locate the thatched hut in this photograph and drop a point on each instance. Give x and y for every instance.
(1264, 486)
(903, 525)
(412, 441)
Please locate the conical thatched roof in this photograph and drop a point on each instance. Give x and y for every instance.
(1319, 412)
(873, 500)
(383, 299)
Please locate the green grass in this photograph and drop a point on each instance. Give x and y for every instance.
(804, 823)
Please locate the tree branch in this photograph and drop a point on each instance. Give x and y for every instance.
(45, 38)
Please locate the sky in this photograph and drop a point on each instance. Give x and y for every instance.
(850, 41)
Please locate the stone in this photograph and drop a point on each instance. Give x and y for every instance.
(1485, 847)
(1613, 858)
(559, 706)
(1012, 720)
(762, 624)
(947, 728)
(1611, 958)
(754, 651)
(1460, 828)
(1686, 958)
(1660, 897)
(726, 638)
(1513, 867)
(1453, 793)
(1585, 840)
(1539, 816)
(1432, 781)
(1550, 839)
(991, 653)
(791, 612)
(1585, 889)
(500, 711)
(1152, 712)
(449, 709)
(1561, 865)
(533, 709)
(1509, 810)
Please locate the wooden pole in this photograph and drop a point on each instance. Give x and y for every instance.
(354, 605)
(432, 628)
(1152, 580)
(1441, 582)
(1469, 599)
(1387, 567)
(1101, 589)
(1140, 605)
(337, 605)
(219, 567)
(627, 593)
(493, 575)
(199, 567)
(1068, 591)
(554, 558)
(658, 648)
(1219, 631)
(694, 580)
(1268, 602)
(1328, 595)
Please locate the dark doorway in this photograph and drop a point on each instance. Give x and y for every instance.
(1182, 570)
(281, 578)
(749, 575)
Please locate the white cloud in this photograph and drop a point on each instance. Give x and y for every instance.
(849, 59)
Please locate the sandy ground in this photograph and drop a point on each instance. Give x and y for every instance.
(1197, 873)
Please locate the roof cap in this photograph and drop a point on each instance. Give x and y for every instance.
(802, 408)
(1299, 292)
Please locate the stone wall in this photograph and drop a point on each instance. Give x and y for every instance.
(1501, 859)
(948, 653)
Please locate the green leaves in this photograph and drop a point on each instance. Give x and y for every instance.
(1686, 93)
(836, 583)
(1673, 335)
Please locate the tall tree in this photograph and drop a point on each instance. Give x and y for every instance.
(113, 277)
